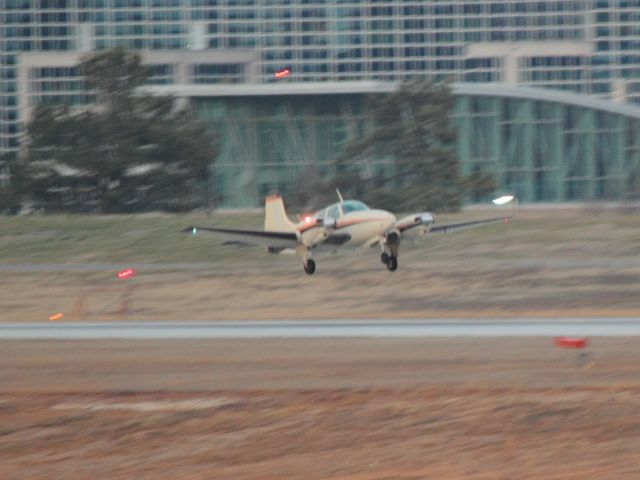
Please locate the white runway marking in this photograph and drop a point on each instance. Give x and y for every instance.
(495, 327)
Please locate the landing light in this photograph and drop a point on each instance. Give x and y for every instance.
(503, 200)
(194, 231)
(307, 219)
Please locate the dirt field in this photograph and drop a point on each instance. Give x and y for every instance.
(340, 409)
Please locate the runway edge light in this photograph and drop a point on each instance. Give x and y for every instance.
(569, 342)
(126, 273)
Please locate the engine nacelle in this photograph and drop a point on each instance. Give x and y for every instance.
(416, 225)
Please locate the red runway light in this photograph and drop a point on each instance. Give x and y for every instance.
(567, 342)
(126, 273)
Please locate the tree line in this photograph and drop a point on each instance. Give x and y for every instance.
(129, 151)
(125, 151)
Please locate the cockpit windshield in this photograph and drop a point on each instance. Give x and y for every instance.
(353, 206)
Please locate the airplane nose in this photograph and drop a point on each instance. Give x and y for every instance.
(386, 219)
(390, 219)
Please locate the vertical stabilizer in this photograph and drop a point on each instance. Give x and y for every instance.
(275, 216)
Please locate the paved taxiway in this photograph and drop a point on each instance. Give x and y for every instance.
(496, 327)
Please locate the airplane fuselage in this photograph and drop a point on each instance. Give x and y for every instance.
(348, 224)
(361, 227)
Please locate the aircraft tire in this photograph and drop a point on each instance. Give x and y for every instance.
(384, 257)
(310, 267)
(392, 264)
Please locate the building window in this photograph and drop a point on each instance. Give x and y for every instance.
(217, 73)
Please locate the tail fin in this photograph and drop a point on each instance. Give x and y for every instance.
(275, 216)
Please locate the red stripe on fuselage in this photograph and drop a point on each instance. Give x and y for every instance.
(356, 221)
(303, 228)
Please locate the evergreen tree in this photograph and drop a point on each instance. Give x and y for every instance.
(126, 151)
(413, 127)
(10, 191)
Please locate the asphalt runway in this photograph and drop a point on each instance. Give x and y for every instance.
(379, 328)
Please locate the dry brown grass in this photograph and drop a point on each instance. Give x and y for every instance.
(555, 262)
(344, 288)
(344, 409)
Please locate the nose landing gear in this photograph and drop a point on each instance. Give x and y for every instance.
(390, 245)
(392, 263)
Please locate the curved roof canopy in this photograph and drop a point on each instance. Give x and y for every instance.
(546, 95)
(367, 87)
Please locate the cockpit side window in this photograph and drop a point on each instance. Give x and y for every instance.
(333, 212)
(353, 206)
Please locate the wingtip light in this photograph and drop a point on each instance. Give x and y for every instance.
(503, 200)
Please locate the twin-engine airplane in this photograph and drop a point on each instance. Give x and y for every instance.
(348, 224)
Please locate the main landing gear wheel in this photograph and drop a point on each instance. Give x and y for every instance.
(384, 257)
(310, 267)
(392, 264)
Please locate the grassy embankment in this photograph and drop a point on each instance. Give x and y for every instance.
(157, 238)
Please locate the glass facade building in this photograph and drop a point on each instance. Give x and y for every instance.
(590, 47)
(544, 146)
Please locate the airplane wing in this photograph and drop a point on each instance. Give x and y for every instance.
(462, 225)
(254, 238)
